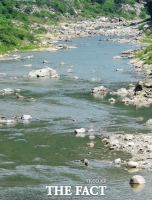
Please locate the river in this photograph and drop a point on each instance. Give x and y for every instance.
(42, 151)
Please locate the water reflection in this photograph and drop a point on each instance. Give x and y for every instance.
(137, 187)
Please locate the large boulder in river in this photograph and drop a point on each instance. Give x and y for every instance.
(43, 72)
(132, 164)
(149, 122)
(137, 179)
(80, 131)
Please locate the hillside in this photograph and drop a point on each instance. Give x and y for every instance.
(18, 18)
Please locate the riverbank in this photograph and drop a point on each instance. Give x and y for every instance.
(66, 31)
(138, 145)
(140, 95)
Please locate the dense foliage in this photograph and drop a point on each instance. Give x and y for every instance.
(12, 36)
(17, 11)
(149, 6)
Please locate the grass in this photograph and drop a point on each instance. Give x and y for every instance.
(147, 53)
(140, 27)
(28, 47)
(149, 60)
(146, 40)
(139, 55)
(148, 49)
(148, 33)
(4, 48)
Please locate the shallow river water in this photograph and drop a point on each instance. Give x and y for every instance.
(42, 151)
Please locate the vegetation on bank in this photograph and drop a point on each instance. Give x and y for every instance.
(85, 8)
(146, 54)
(13, 36)
(16, 16)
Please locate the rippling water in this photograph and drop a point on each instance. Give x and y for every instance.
(42, 151)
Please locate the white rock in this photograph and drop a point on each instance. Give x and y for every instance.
(42, 72)
(105, 140)
(132, 164)
(114, 142)
(131, 144)
(117, 161)
(149, 148)
(149, 122)
(30, 57)
(137, 179)
(45, 61)
(13, 120)
(100, 89)
(90, 144)
(26, 117)
(55, 76)
(19, 96)
(119, 70)
(69, 71)
(122, 91)
(112, 100)
(129, 137)
(8, 90)
(117, 57)
(2, 121)
(29, 65)
(80, 130)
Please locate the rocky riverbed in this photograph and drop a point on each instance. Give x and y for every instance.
(125, 31)
(140, 95)
(138, 145)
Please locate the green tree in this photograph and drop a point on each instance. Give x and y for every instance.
(149, 6)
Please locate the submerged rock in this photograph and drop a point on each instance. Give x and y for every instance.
(90, 144)
(91, 137)
(117, 57)
(70, 71)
